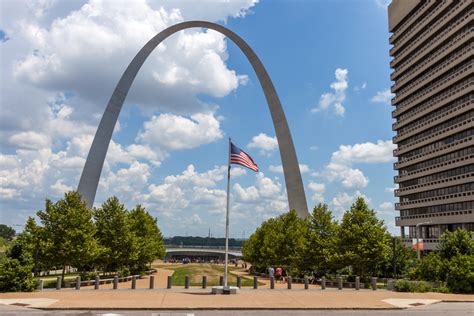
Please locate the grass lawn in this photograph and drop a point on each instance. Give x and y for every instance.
(196, 271)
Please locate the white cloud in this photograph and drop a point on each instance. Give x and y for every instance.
(382, 4)
(340, 167)
(279, 169)
(386, 206)
(264, 143)
(342, 201)
(317, 190)
(384, 96)
(391, 189)
(334, 100)
(174, 132)
(361, 87)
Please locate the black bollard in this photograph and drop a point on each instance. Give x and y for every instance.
(221, 281)
(40, 284)
(168, 285)
(96, 283)
(204, 281)
(186, 282)
(374, 284)
(272, 283)
(134, 282)
(239, 282)
(115, 282)
(58, 283)
(323, 283)
(152, 282)
(290, 281)
(255, 282)
(78, 283)
(357, 283)
(339, 283)
(306, 282)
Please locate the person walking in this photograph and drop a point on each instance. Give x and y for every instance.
(278, 272)
(271, 272)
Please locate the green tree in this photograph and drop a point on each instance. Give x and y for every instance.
(460, 276)
(402, 256)
(148, 235)
(320, 242)
(69, 232)
(455, 243)
(431, 268)
(364, 243)
(30, 247)
(15, 276)
(114, 234)
(7, 232)
(278, 242)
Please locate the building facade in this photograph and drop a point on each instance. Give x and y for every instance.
(432, 51)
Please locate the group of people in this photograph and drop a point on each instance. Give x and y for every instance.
(278, 273)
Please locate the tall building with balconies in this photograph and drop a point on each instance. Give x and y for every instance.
(434, 109)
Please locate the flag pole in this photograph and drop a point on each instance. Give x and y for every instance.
(227, 221)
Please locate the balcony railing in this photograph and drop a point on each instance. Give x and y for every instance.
(434, 168)
(404, 163)
(432, 215)
(467, 194)
(432, 184)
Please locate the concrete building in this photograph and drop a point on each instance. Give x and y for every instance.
(433, 85)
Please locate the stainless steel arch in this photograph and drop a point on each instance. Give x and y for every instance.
(95, 159)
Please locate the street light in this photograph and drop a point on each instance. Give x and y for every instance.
(417, 242)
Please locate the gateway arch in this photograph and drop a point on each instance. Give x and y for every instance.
(95, 159)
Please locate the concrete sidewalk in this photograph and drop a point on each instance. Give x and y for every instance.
(247, 299)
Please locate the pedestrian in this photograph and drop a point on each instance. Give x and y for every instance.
(278, 274)
(285, 275)
(271, 272)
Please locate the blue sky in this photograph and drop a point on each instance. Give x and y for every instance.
(328, 61)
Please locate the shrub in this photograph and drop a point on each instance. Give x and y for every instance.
(87, 276)
(460, 278)
(123, 272)
(412, 286)
(15, 277)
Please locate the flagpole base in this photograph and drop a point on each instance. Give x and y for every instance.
(225, 290)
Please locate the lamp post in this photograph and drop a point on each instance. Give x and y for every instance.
(418, 255)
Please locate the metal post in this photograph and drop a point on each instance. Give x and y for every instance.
(115, 282)
(323, 283)
(58, 283)
(78, 283)
(168, 285)
(134, 282)
(239, 281)
(186, 282)
(394, 247)
(97, 281)
(374, 284)
(152, 282)
(221, 281)
(204, 281)
(357, 283)
(255, 282)
(40, 284)
(272, 283)
(306, 282)
(290, 281)
(227, 221)
(339, 283)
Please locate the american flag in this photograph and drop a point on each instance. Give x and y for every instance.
(240, 157)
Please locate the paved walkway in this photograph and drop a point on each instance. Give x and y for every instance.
(196, 298)
(248, 298)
